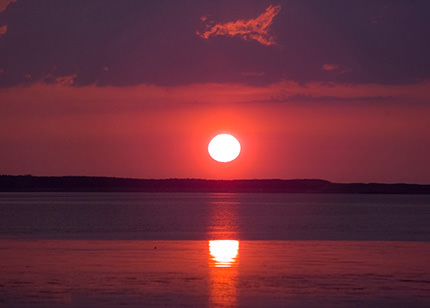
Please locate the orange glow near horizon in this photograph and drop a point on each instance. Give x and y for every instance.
(116, 131)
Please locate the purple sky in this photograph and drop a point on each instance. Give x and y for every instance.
(336, 90)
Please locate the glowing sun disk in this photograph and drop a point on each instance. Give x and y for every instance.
(224, 148)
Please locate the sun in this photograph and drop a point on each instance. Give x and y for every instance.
(224, 148)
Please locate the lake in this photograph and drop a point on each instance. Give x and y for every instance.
(214, 250)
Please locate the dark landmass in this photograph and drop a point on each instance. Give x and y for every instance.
(28, 183)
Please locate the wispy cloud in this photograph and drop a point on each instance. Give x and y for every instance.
(66, 80)
(4, 4)
(335, 68)
(3, 30)
(252, 29)
(330, 67)
(59, 97)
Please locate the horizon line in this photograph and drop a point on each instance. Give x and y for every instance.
(208, 179)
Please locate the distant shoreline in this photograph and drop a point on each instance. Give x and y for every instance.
(28, 183)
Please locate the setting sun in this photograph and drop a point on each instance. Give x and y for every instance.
(224, 148)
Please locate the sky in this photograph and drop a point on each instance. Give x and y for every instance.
(337, 91)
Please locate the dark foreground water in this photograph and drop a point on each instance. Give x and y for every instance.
(214, 250)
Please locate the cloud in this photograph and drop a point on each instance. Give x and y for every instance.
(330, 67)
(304, 98)
(4, 4)
(3, 30)
(335, 68)
(59, 97)
(66, 80)
(252, 29)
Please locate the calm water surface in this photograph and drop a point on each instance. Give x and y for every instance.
(214, 250)
(205, 216)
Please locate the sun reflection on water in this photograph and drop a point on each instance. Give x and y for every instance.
(223, 261)
(224, 252)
